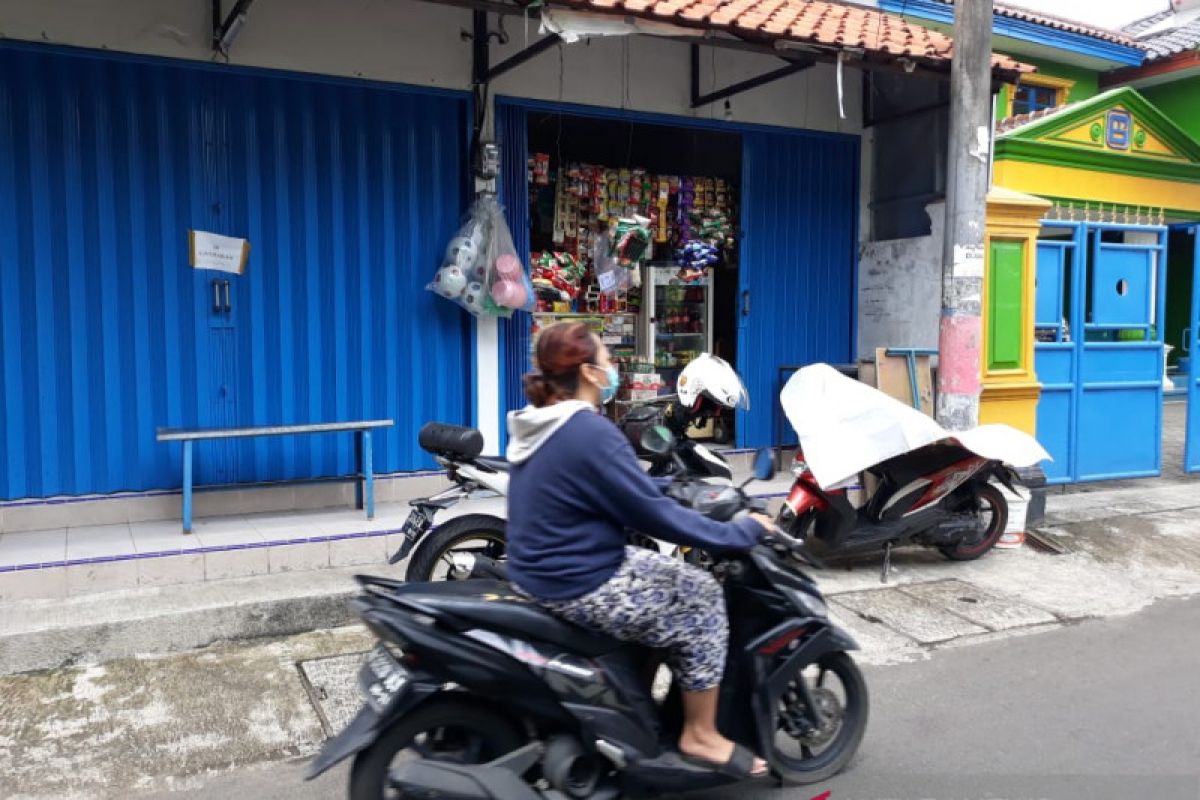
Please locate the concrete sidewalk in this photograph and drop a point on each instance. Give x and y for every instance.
(113, 725)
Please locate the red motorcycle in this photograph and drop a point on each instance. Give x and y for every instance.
(938, 496)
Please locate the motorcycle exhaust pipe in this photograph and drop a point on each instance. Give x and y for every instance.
(461, 566)
(428, 780)
(570, 770)
(466, 566)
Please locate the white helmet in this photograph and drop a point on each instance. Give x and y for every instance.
(711, 376)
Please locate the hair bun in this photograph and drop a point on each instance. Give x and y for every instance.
(538, 389)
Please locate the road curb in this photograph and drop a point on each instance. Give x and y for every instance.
(37, 635)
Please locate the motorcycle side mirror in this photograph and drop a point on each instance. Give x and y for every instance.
(658, 440)
(764, 464)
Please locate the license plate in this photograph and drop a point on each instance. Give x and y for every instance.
(416, 524)
(381, 678)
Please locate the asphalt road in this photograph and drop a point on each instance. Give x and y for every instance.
(1101, 710)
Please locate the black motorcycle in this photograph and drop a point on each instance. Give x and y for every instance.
(474, 693)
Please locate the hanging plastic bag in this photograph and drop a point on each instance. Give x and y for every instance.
(464, 270)
(480, 270)
(611, 277)
(508, 282)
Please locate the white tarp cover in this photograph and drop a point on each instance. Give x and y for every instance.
(572, 26)
(845, 426)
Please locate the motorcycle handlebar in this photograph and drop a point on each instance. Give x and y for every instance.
(783, 542)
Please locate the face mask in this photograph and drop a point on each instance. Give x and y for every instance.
(608, 392)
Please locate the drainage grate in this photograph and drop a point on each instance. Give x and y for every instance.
(1047, 542)
(332, 685)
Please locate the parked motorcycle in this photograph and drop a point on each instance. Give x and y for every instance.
(938, 496)
(706, 387)
(474, 693)
(872, 473)
(457, 450)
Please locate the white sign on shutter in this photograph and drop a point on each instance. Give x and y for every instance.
(221, 253)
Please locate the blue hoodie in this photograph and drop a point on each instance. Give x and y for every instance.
(576, 485)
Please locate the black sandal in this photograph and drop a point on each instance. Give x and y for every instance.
(740, 765)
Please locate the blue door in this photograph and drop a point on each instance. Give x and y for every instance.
(1055, 356)
(798, 264)
(1191, 455)
(1119, 403)
(1100, 295)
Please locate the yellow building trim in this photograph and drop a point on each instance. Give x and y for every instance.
(1011, 395)
(1014, 405)
(1096, 187)
(1062, 85)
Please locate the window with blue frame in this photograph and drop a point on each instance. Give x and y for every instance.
(1028, 98)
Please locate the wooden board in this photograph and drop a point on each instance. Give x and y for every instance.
(892, 378)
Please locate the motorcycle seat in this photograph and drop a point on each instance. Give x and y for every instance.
(450, 441)
(493, 464)
(496, 606)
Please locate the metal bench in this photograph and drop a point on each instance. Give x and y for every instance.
(364, 476)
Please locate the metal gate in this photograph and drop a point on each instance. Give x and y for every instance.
(1191, 451)
(1100, 291)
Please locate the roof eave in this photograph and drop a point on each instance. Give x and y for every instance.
(1023, 30)
(1189, 59)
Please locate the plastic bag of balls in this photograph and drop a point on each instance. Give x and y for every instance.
(480, 270)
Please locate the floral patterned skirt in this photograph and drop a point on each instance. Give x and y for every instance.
(660, 602)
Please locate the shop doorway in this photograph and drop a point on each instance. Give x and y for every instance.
(587, 178)
(1183, 331)
(782, 291)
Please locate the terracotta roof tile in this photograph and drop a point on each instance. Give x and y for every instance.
(1021, 120)
(816, 22)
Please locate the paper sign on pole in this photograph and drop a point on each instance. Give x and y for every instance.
(214, 251)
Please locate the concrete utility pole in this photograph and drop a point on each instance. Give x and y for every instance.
(960, 335)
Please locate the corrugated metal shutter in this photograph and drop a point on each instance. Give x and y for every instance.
(798, 264)
(512, 135)
(347, 194)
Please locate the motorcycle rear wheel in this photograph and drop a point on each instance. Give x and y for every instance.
(448, 729)
(431, 561)
(853, 710)
(990, 500)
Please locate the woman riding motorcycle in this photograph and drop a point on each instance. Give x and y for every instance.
(575, 487)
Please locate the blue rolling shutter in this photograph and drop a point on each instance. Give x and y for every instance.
(798, 264)
(347, 193)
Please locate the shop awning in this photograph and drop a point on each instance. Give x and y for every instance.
(814, 29)
(824, 26)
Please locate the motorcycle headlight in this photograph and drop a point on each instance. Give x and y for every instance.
(807, 603)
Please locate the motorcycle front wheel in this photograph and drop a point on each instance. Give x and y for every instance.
(442, 730)
(477, 534)
(802, 754)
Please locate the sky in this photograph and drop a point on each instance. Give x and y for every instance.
(1105, 13)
